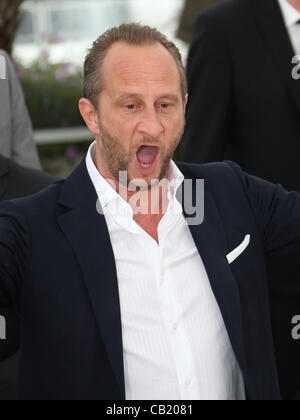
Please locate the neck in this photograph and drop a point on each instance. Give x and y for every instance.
(295, 4)
(149, 203)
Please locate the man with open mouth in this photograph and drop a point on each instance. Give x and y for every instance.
(122, 304)
(137, 115)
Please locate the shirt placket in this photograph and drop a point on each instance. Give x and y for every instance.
(177, 337)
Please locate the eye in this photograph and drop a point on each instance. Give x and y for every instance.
(131, 107)
(164, 106)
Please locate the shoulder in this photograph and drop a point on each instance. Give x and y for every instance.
(225, 11)
(8, 79)
(233, 188)
(228, 179)
(4, 54)
(211, 172)
(34, 207)
(7, 62)
(24, 181)
(224, 17)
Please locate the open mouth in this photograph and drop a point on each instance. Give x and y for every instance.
(147, 158)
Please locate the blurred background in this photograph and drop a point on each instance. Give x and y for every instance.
(49, 47)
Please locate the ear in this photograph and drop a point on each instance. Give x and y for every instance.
(89, 115)
(185, 102)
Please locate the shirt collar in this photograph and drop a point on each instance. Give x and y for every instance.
(290, 15)
(106, 193)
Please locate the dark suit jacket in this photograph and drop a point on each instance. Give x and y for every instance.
(244, 104)
(191, 10)
(57, 260)
(15, 181)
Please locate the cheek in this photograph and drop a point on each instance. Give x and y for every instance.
(173, 126)
(124, 127)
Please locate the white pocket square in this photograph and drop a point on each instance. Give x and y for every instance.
(239, 250)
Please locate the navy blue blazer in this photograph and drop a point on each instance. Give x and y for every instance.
(57, 261)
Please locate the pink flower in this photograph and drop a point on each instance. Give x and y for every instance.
(45, 53)
(71, 154)
(60, 76)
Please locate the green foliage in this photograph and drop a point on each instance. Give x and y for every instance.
(52, 92)
(61, 159)
(51, 151)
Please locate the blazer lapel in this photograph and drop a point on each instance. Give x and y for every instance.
(87, 233)
(274, 32)
(210, 240)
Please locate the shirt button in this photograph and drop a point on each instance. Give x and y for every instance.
(188, 382)
(162, 272)
(175, 326)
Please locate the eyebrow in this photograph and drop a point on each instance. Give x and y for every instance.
(128, 95)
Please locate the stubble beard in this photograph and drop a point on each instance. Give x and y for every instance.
(117, 159)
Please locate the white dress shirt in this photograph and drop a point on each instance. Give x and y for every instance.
(291, 18)
(175, 343)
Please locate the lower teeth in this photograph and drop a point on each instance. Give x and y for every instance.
(145, 166)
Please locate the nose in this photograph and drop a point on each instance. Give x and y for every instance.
(150, 124)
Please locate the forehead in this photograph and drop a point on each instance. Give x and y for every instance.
(147, 67)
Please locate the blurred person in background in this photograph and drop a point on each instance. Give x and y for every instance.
(16, 136)
(244, 105)
(9, 21)
(191, 11)
(15, 181)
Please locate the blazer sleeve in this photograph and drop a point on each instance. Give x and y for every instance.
(209, 108)
(23, 147)
(277, 214)
(15, 249)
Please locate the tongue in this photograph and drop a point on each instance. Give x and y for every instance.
(147, 154)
